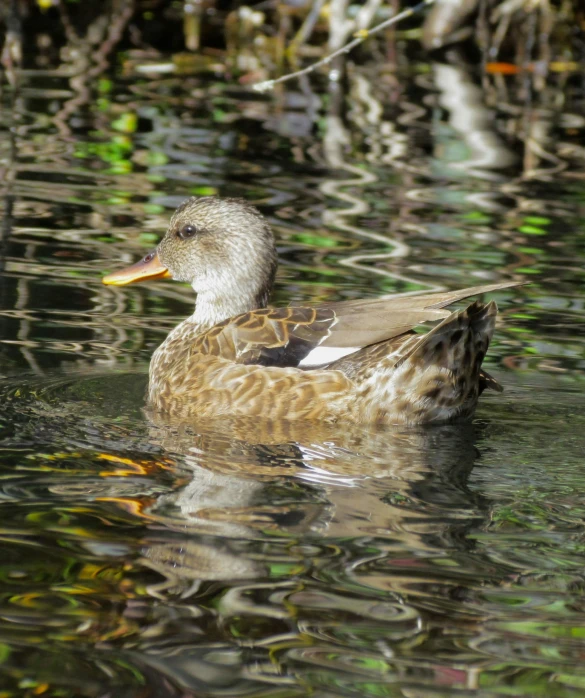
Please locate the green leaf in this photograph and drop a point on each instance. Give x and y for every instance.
(153, 209)
(105, 85)
(148, 237)
(530, 250)
(126, 122)
(156, 157)
(314, 240)
(531, 230)
(203, 191)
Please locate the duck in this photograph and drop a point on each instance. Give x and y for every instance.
(358, 361)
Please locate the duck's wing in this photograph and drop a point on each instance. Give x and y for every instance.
(311, 337)
(270, 336)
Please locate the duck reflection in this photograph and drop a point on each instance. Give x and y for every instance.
(310, 482)
(211, 494)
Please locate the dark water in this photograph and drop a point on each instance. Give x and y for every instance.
(142, 559)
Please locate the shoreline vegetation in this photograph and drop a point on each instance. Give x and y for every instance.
(263, 44)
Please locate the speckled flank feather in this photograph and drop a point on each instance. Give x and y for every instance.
(236, 357)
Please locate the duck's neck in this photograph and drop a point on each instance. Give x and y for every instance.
(211, 308)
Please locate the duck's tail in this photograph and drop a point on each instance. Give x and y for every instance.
(459, 342)
(436, 377)
(449, 358)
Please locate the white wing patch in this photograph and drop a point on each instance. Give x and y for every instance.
(321, 356)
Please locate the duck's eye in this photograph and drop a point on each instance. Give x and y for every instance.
(187, 231)
(149, 257)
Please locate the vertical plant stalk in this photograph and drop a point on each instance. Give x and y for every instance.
(11, 55)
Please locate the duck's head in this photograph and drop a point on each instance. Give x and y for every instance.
(223, 247)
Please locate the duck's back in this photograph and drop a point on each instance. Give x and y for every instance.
(357, 361)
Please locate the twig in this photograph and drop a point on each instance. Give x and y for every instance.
(360, 36)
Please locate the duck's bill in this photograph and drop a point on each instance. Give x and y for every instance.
(146, 269)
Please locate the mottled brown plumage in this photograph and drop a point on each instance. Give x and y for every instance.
(355, 360)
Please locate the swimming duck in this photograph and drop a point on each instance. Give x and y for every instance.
(356, 360)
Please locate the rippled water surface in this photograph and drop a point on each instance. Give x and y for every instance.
(144, 559)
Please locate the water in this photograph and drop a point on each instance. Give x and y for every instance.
(236, 559)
